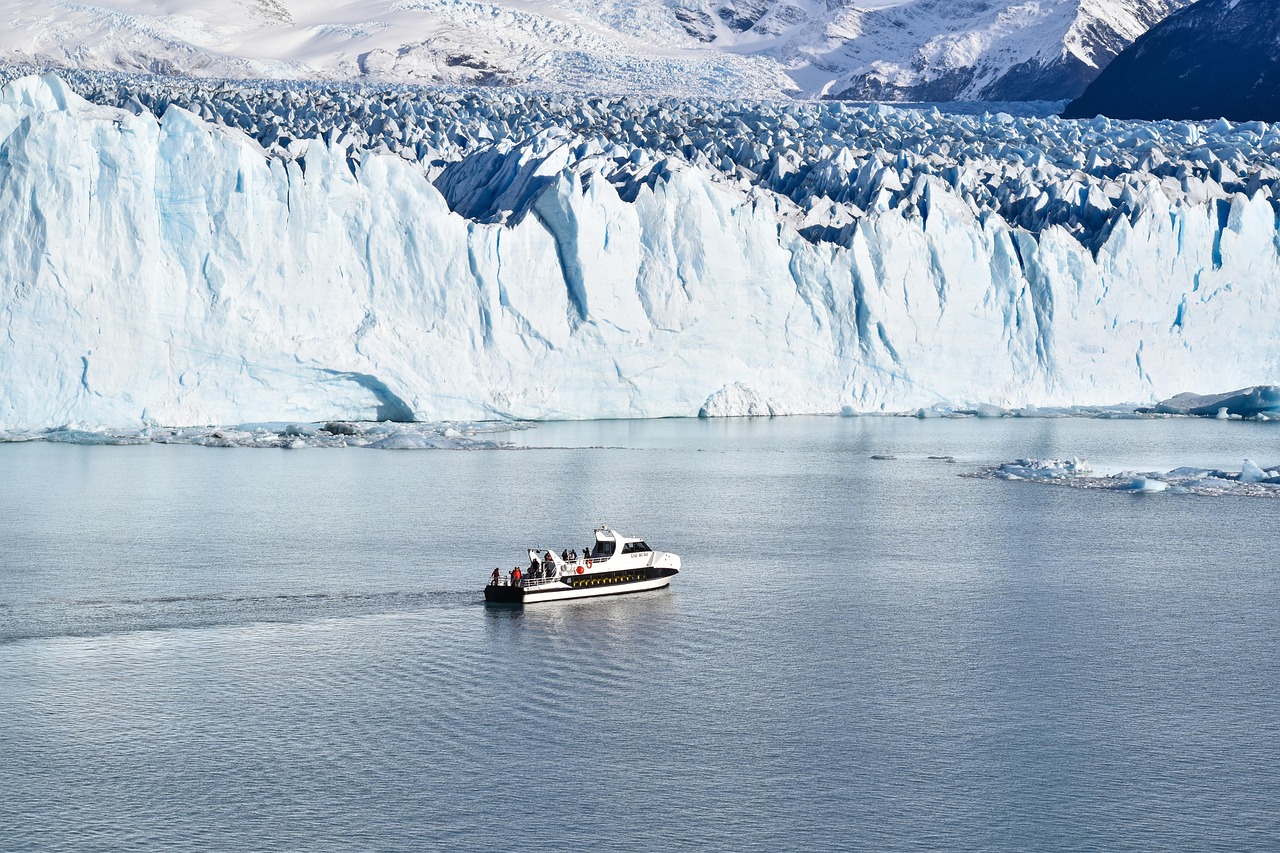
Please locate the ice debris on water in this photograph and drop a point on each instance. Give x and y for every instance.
(376, 436)
(1252, 480)
(961, 411)
(1040, 469)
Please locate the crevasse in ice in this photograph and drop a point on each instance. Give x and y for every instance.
(515, 258)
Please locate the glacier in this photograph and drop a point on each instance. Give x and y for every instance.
(179, 253)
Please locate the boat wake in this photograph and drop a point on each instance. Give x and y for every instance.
(103, 617)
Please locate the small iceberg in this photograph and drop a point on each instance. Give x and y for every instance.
(1039, 469)
(739, 401)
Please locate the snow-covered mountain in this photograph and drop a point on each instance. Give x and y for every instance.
(476, 254)
(1217, 58)
(934, 50)
(862, 49)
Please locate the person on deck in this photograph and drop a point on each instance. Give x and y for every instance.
(496, 574)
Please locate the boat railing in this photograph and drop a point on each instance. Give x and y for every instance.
(568, 569)
(524, 581)
(571, 566)
(582, 561)
(528, 582)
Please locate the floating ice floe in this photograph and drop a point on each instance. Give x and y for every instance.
(1261, 402)
(376, 436)
(1252, 480)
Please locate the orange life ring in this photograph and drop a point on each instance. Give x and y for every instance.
(588, 562)
(579, 569)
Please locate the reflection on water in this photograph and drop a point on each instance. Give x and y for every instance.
(633, 614)
(269, 649)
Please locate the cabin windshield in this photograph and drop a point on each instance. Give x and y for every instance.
(635, 548)
(603, 549)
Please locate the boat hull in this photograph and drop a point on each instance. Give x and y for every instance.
(593, 585)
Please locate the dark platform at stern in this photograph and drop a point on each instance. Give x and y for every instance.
(503, 594)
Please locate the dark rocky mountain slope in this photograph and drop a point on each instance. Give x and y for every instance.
(1215, 59)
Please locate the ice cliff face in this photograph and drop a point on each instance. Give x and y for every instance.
(933, 50)
(527, 257)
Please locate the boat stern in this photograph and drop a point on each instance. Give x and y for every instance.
(503, 594)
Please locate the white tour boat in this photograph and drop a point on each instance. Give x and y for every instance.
(613, 565)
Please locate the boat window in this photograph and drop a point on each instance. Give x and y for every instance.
(602, 550)
(635, 548)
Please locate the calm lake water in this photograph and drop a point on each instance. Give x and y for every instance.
(253, 649)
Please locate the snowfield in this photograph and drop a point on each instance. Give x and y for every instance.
(476, 254)
(869, 49)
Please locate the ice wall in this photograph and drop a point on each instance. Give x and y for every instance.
(170, 271)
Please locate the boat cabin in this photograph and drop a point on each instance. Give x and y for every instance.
(610, 542)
